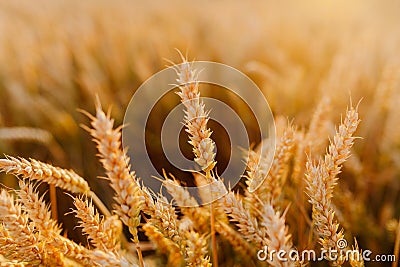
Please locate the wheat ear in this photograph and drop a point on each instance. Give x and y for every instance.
(36, 170)
(38, 212)
(247, 224)
(196, 250)
(271, 188)
(196, 119)
(165, 220)
(18, 239)
(188, 205)
(103, 237)
(278, 237)
(239, 244)
(321, 179)
(164, 245)
(54, 176)
(128, 195)
(356, 258)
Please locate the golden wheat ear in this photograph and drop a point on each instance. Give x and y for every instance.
(36, 170)
(321, 179)
(19, 241)
(94, 226)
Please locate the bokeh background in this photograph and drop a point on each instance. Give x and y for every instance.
(55, 56)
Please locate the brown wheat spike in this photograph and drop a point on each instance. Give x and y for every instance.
(102, 237)
(164, 245)
(278, 237)
(196, 250)
(36, 170)
(247, 224)
(18, 238)
(196, 117)
(129, 198)
(321, 179)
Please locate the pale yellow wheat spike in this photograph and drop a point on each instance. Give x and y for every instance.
(128, 195)
(196, 250)
(164, 245)
(165, 220)
(271, 188)
(321, 179)
(102, 237)
(278, 236)
(188, 205)
(18, 238)
(36, 170)
(247, 224)
(113, 226)
(40, 215)
(196, 117)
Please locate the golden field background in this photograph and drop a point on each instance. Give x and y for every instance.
(55, 56)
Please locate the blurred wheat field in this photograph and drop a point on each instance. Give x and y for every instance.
(309, 58)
